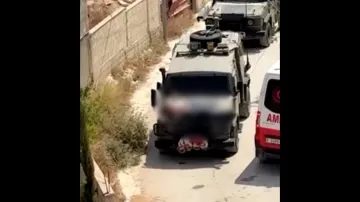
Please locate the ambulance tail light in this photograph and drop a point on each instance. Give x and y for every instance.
(257, 129)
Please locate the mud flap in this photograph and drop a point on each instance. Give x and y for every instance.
(245, 106)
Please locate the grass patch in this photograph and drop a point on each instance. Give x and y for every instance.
(117, 133)
(180, 22)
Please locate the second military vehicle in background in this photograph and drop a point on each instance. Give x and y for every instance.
(257, 18)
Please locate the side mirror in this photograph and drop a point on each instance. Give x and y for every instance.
(163, 71)
(153, 97)
(158, 86)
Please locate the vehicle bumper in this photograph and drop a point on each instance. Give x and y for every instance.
(268, 152)
(254, 35)
(250, 35)
(160, 131)
(168, 143)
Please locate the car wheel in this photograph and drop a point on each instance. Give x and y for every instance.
(261, 156)
(245, 108)
(265, 41)
(235, 149)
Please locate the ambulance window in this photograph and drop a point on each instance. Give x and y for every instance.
(272, 96)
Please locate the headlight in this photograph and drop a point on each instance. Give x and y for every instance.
(250, 22)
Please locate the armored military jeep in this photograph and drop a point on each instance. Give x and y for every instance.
(204, 95)
(257, 18)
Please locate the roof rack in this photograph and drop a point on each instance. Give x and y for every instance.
(194, 48)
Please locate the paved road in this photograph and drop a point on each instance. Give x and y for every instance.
(197, 179)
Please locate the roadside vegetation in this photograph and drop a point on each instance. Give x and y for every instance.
(117, 133)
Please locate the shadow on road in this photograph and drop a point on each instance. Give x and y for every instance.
(252, 47)
(256, 174)
(155, 160)
(254, 103)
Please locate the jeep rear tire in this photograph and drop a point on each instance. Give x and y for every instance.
(235, 149)
(225, 153)
(265, 41)
(246, 107)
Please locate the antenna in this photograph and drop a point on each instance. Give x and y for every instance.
(246, 51)
(245, 8)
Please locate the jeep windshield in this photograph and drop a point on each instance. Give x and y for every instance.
(214, 84)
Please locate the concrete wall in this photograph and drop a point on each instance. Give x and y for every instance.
(84, 26)
(85, 66)
(123, 34)
(103, 190)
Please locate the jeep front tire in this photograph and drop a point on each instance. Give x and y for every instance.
(265, 41)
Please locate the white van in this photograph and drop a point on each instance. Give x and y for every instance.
(267, 135)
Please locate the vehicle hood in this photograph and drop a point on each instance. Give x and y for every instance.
(200, 104)
(253, 9)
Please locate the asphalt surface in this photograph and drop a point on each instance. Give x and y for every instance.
(206, 178)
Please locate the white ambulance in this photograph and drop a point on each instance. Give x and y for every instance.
(267, 135)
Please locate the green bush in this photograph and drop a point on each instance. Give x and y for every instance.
(117, 133)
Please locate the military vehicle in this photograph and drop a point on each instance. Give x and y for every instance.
(257, 18)
(204, 95)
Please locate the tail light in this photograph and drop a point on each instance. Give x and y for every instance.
(257, 129)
